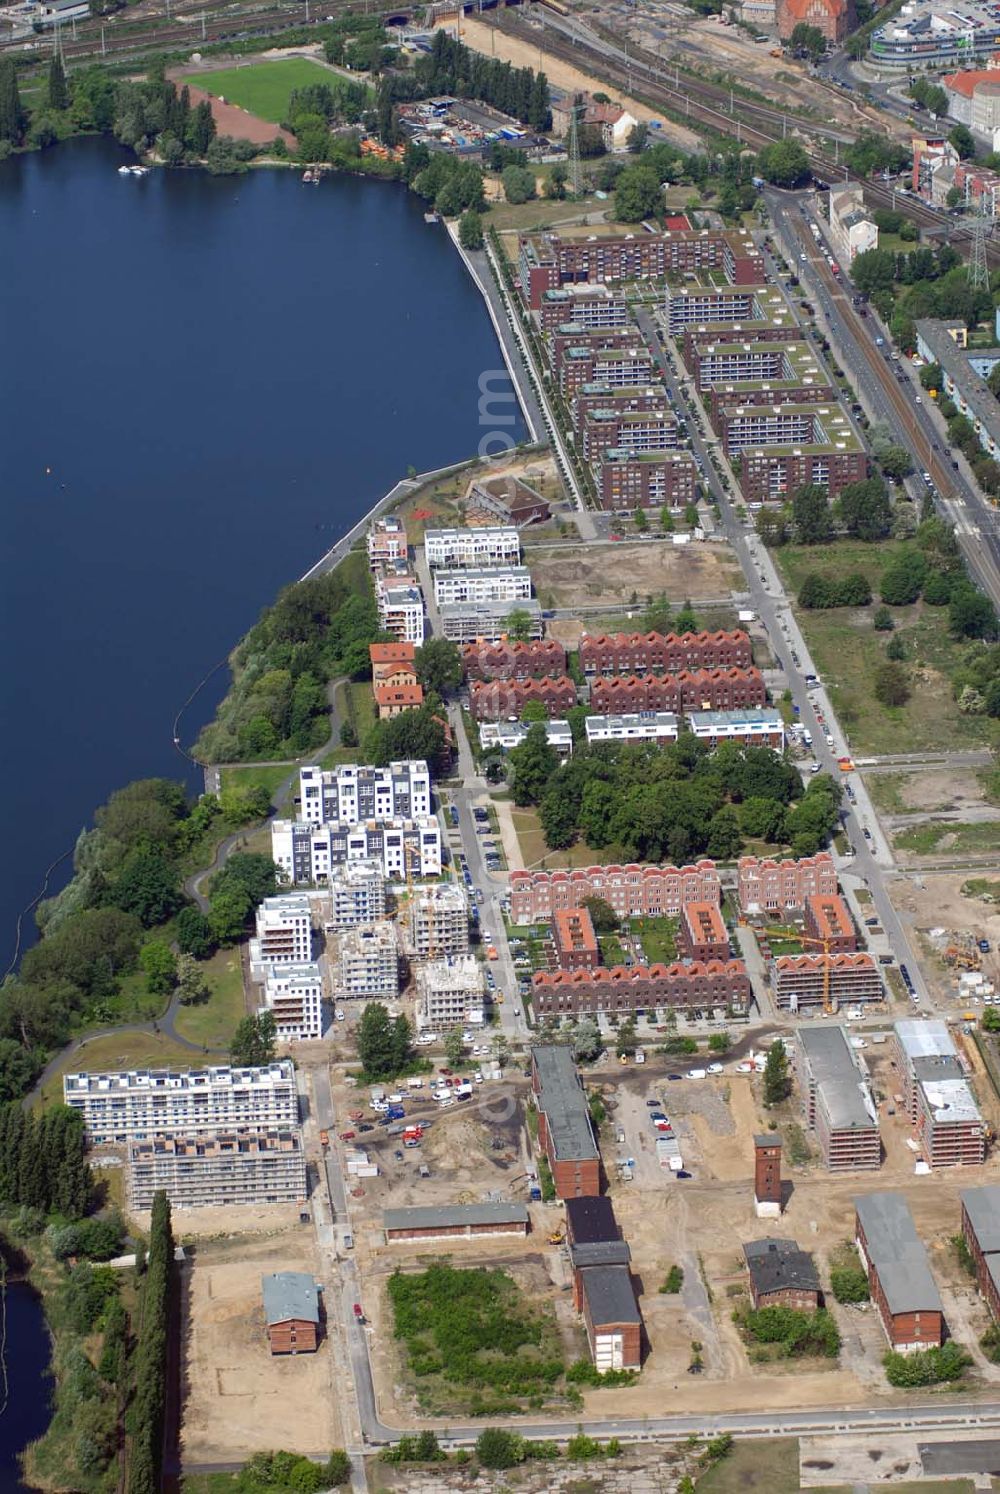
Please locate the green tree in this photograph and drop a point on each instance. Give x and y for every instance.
(194, 933)
(882, 620)
(777, 1077)
(602, 915)
(627, 1039)
(809, 39)
(811, 513)
(159, 965)
(962, 140)
(892, 686)
(903, 578)
(192, 984)
(384, 1044)
(519, 625)
(725, 838)
(497, 1448)
(58, 90)
(454, 1048)
(640, 521)
(667, 519)
(470, 230)
(864, 509)
(587, 1043)
(784, 164)
(254, 1040)
(337, 1471)
(518, 184)
(555, 186)
(896, 649)
(638, 195)
(971, 614)
(11, 112)
(439, 665)
(532, 764)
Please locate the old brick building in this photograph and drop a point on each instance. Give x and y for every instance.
(775, 888)
(454, 1221)
(663, 653)
(634, 890)
(509, 660)
(696, 986)
(835, 18)
(497, 699)
(291, 1312)
(781, 1275)
(565, 1132)
(689, 690)
(899, 1277)
(981, 1233)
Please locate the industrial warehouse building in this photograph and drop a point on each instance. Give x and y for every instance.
(564, 1127)
(781, 1275)
(947, 1123)
(218, 1171)
(981, 1233)
(614, 1327)
(899, 1276)
(454, 1221)
(837, 1100)
(291, 1312)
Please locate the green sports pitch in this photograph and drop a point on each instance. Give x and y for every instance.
(264, 88)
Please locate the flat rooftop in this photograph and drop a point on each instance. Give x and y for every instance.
(844, 1090)
(450, 1215)
(924, 1039)
(591, 1220)
(897, 1253)
(561, 1097)
(982, 1205)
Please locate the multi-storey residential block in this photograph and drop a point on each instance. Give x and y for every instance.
(780, 887)
(218, 1170)
(801, 980)
(574, 938)
(565, 1132)
(572, 335)
(964, 373)
(715, 364)
(450, 993)
(293, 994)
(751, 728)
(828, 918)
(513, 661)
(548, 262)
(603, 397)
(587, 305)
(352, 793)
(620, 367)
(476, 549)
(981, 1233)
(643, 726)
(778, 326)
(142, 1103)
(689, 690)
(633, 890)
(284, 931)
(696, 986)
(401, 610)
(386, 542)
(628, 479)
(463, 622)
(308, 853)
(508, 584)
(506, 735)
(899, 1277)
(356, 894)
(702, 934)
(663, 653)
(695, 305)
(772, 472)
(947, 1123)
(744, 426)
(497, 699)
(627, 430)
(837, 1100)
(368, 964)
(436, 919)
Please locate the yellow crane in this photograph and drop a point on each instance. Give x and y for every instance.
(829, 1005)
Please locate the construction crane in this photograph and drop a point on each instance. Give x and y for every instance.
(829, 1004)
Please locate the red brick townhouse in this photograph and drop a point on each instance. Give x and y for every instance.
(635, 890)
(663, 653)
(498, 699)
(689, 986)
(513, 661)
(690, 690)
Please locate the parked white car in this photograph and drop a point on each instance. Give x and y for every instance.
(715, 1068)
(340, 1015)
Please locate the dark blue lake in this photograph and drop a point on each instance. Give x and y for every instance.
(204, 382)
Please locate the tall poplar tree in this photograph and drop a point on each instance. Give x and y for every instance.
(58, 88)
(11, 113)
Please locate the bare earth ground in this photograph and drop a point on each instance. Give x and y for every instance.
(609, 574)
(929, 790)
(230, 119)
(495, 43)
(240, 1400)
(935, 900)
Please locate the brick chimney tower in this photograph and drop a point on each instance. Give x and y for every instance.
(767, 1176)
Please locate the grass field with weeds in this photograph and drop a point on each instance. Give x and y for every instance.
(118, 1050)
(947, 837)
(213, 1022)
(264, 88)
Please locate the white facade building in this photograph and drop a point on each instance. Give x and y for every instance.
(510, 585)
(450, 993)
(401, 610)
(644, 726)
(852, 228)
(353, 793)
(357, 894)
(307, 854)
(284, 933)
(368, 964)
(139, 1103)
(509, 734)
(294, 996)
(472, 547)
(437, 921)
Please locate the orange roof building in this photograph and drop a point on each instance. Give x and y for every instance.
(393, 700)
(393, 663)
(835, 18)
(828, 918)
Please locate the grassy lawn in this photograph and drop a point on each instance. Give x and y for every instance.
(847, 651)
(254, 777)
(118, 1050)
(611, 951)
(541, 213)
(944, 837)
(213, 1022)
(658, 937)
(535, 851)
(767, 1466)
(264, 88)
(885, 791)
(358, 705)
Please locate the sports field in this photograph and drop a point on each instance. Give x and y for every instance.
(264, 88)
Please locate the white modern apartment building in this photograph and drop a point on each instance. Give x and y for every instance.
(218, 1171)
(284, 933)
(507, 735)
(437, 921)
(450, 993)
(357, 894)
(141, 1103)
(368, 964)
(294, 996)
(356, 792)
(643, 726)
(512, 584)
(472, 547)
(401, 610)
(309, 854)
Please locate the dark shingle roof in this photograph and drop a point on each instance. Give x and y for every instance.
(779, 1265)
(609, 1294)
(564, 1103)
(591, 1219)
(897, 1253)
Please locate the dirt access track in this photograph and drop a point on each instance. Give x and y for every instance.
(238, 1399)
(607, 575)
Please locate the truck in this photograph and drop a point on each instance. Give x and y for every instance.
(324, 1139)
(396, 1112)
(415, 1083)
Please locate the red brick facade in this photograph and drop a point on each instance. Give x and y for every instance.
(294, 1336)
(574, 336)
(769, 473)
(689, 690)
(633, 890)
(514, 661)
(835, 18)
(630, 988)
(548, 261)
(702, 933)
(574, 938)
(782, 886)
(603, 397)
(498, 699)
(663, 653)
(828, 918)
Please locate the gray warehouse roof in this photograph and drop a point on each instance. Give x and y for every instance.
(983, 1208)
(779, 1265)
(924, 1039)
(897, 1253)
(452, 1214)
(609, 1294)
(600, 1253)
(564, 1103)
(842, 1087)
(289, 1294)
